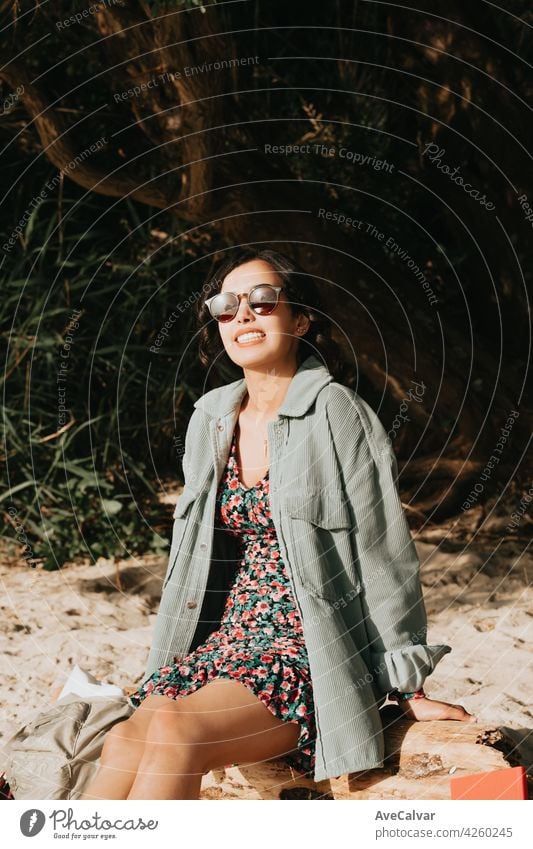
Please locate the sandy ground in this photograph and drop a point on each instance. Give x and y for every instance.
(100, 616)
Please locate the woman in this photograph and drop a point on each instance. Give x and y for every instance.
(292, 454)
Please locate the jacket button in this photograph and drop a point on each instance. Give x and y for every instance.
(203, 545)
(220, 426)
(191, 604)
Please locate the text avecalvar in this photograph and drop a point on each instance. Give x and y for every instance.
(405, 815)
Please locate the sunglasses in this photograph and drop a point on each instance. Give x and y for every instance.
(262, 299)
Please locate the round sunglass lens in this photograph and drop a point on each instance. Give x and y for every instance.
(224, 307)
(263, 300)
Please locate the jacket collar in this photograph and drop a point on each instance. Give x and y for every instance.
(305, 385)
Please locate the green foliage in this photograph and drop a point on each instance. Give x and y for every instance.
(354, 77)
(89, 417)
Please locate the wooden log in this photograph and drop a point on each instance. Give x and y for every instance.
(420, 759)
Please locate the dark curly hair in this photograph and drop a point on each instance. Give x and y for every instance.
(301, 289)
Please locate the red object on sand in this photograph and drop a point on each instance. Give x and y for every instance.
(500, 784)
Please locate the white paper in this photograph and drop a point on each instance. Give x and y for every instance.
(82, 683)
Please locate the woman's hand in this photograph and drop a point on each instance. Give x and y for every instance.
(428, 710)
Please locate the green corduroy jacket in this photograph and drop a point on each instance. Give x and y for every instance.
(344, 538)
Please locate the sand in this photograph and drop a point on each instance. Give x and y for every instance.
(477, 589)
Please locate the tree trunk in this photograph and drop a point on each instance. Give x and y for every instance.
(420, 760)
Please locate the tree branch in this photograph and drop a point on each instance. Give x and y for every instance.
(53, 133)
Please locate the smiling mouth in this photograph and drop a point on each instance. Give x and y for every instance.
(254, 336)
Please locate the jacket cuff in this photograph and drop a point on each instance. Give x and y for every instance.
(406, 669)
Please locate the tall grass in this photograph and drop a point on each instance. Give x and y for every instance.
(93, 422)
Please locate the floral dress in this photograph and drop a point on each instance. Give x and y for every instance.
(260, 638)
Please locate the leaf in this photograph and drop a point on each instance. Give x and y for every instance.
(9, 492)
(111, 506)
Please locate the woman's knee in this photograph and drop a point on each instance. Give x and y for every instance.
(177, 734)
(121, 738)
(169, 723)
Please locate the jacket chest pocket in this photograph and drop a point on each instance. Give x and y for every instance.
(181, 516)
(321, 526)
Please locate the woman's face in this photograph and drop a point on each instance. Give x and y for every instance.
(279, 338)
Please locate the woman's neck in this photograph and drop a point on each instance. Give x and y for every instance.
(266, 389)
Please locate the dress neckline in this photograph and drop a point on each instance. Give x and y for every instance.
(236, 469)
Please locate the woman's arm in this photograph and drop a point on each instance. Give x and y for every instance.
(392, 601)
(393, 604)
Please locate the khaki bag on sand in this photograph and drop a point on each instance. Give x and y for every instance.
(56, 754)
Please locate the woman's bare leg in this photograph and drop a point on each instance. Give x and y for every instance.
(222, 722)
(121, 755)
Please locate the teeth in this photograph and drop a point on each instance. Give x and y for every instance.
(245, 337)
